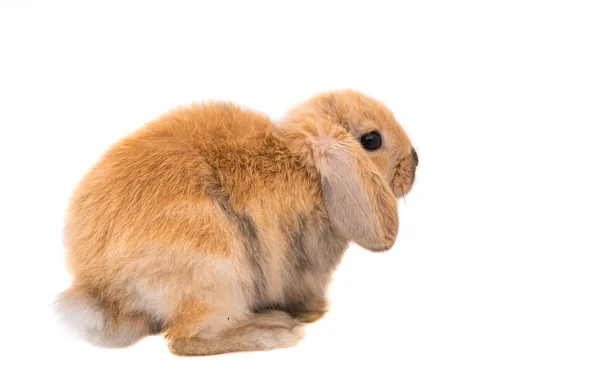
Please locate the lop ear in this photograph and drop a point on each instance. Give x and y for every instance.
(359, 202)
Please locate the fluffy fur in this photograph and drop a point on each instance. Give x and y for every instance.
(221, 229)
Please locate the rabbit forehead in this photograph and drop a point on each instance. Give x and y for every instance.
(360, 114)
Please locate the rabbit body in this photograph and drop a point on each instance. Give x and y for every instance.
(207, 226)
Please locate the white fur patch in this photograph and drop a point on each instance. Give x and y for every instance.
(82, 318)
(154, 302)
(90, 324)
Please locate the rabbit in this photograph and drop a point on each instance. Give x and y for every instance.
(220, 229)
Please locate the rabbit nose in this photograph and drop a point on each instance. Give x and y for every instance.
(415, 157)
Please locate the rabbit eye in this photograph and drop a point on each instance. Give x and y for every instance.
(371, 141)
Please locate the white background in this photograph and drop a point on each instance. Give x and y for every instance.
(494, 280)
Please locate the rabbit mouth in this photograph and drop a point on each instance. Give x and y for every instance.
(400, 186)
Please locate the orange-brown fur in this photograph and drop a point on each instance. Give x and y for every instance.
(189, 226)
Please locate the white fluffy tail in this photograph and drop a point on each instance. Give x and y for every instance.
(93, 323)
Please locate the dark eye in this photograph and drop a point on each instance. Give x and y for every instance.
(371, 141)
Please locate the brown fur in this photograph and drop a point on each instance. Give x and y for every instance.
(201, 223)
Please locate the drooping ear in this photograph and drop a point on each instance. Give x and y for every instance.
(359, 202)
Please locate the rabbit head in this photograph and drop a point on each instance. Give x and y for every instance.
(372, 124)
(364, 158)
